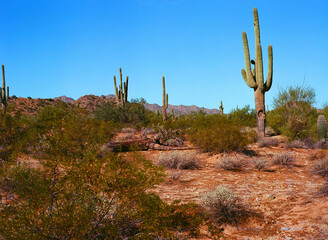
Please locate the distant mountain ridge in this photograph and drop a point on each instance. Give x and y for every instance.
(153, 107)
(182, 108)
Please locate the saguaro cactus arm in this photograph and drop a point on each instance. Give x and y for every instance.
(126, 84)
(259, 67)
(268, 82)
(247, 75)
(121, 93)
(117, 96)
(167, 101)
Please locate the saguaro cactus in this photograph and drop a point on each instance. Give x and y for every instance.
(255, 79)
(3, 95)
(165, 101)
(221, 108)
(322, 128)
(121, 94)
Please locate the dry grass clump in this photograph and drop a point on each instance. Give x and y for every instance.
(128, 130)
(179, 160)
(260, 163)
(126, 136)
(224, 207)
(304, 144)
(285, 159)
(231, 163)
(147, 131)
(268, 142)
(175, 176)
(321, 168)
(324, 189)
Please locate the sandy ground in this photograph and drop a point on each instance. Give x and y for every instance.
(284, 197)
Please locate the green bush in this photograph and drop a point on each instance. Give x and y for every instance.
(244, 116)
(294, 115)
(216, 133)
(133, 113)
(77, 191)
(13, 129)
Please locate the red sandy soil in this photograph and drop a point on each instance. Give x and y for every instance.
(285, 197)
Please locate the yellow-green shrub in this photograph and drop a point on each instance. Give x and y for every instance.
(216, 133)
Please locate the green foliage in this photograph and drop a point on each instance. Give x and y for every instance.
(216, 133)
(78, 191)
(133, 113)
(244, 116)
(13, 129)
(293, 115)
(294, 95)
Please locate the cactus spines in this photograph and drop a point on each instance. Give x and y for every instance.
(165, 101)
(255, 79)
(221, 108)
(4, 96)
(121, 93)
(322, 128)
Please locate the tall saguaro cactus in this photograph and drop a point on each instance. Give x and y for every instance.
(3, 95)
(322, 128)
(255, 79)
(221, 108)
(165, 101)
(121, 94)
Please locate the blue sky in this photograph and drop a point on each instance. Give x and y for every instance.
(74, 47)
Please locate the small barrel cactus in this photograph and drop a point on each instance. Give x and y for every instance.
(322, 128)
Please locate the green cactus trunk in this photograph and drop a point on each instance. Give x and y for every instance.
(221, 108)
(165, 101)
(322, 128)
(121, 94)
(255, 78)
(4, 97)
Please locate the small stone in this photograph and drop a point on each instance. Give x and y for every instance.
(284, 228)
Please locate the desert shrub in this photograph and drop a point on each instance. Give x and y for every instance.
(146, 131)
(283, 159)
(231, 163)
(128, 130)
(244, 116)
(133, 113)
(294, 115)
(175, 175)
(267, 142)
(216, 133)
(13, 130)
(260, 163)
(78, 193)
(224, 206)
(106, 202)
(126, 136)
(321, 168)
(179, 160)
(297, 144)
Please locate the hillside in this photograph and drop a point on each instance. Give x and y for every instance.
(90, 102)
